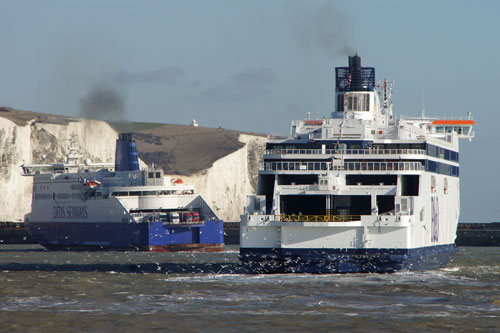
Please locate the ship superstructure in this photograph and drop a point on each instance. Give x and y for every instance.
(118, 206)
(359, 191)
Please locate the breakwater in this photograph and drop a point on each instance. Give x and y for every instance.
(14, 233)
(468, 234)
(478, 234)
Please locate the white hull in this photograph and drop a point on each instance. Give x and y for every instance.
(357, 192)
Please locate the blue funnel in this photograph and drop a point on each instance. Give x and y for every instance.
(126, 158)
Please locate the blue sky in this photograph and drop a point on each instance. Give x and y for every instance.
(255, 65)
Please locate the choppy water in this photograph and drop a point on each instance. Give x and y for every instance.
(138, 291)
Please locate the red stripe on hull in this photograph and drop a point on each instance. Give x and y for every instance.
(188, 247)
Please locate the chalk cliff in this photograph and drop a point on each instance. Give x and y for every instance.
(226, 184)
(221, 164)
(26, 136)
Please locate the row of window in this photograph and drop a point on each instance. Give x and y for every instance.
(43, 196)
(79, 196)
(152, 174)
(431, 150)
(442, 168)
(58, 196)
(431, 166)
(443, 153)
(147, 193)
(448, 129)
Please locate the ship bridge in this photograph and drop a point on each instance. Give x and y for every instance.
(462, 127)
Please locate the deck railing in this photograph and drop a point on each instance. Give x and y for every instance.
(345, 152)
(319, 218)
(348, 166)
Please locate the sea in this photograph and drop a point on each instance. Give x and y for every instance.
(47, 291)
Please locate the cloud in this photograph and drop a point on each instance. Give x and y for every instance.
(293, 109)
(242, 86)
(257, 76)
(169, 75)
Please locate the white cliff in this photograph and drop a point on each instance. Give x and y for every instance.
(224, 185)
(15, 197)
(28, 143)
(228, 182)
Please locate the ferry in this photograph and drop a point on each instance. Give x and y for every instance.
(358, 191)
(79, 205)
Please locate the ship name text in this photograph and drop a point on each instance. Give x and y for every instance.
(69, 212)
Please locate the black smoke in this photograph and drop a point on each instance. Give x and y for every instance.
(322, 25)
(103, 102)
(169, 75)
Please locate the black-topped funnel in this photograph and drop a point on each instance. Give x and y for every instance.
(126, 156)
(355, 62)
(354, 77)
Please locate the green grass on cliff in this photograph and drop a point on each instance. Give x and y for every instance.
(122, 127)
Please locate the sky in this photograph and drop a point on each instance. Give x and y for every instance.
(255, 65)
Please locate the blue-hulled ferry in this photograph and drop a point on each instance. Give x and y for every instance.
(79, 205)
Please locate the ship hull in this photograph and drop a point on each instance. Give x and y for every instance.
(148, 236)
(279, 260)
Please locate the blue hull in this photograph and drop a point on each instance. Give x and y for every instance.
(275, 260)
(152, 236)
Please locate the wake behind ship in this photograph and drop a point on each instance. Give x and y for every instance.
(96, 206)
(359, 191)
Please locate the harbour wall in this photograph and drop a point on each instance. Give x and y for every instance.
(478, 234)
(468, 234)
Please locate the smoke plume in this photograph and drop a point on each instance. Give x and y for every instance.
(242, 86)
(169, 75)
(322, 26)
(103, 102)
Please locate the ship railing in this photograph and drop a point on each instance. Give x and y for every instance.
(347, 166)
(319, 218)
(384, 166)
(345, 152)
(466, 117)
(162, 217)
(302, 187)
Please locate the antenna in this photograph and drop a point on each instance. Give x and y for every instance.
(423, 105)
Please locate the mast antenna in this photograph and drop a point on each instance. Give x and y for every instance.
(423, 105)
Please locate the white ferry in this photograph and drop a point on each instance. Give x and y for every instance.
(98, 206)
(360, 191)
